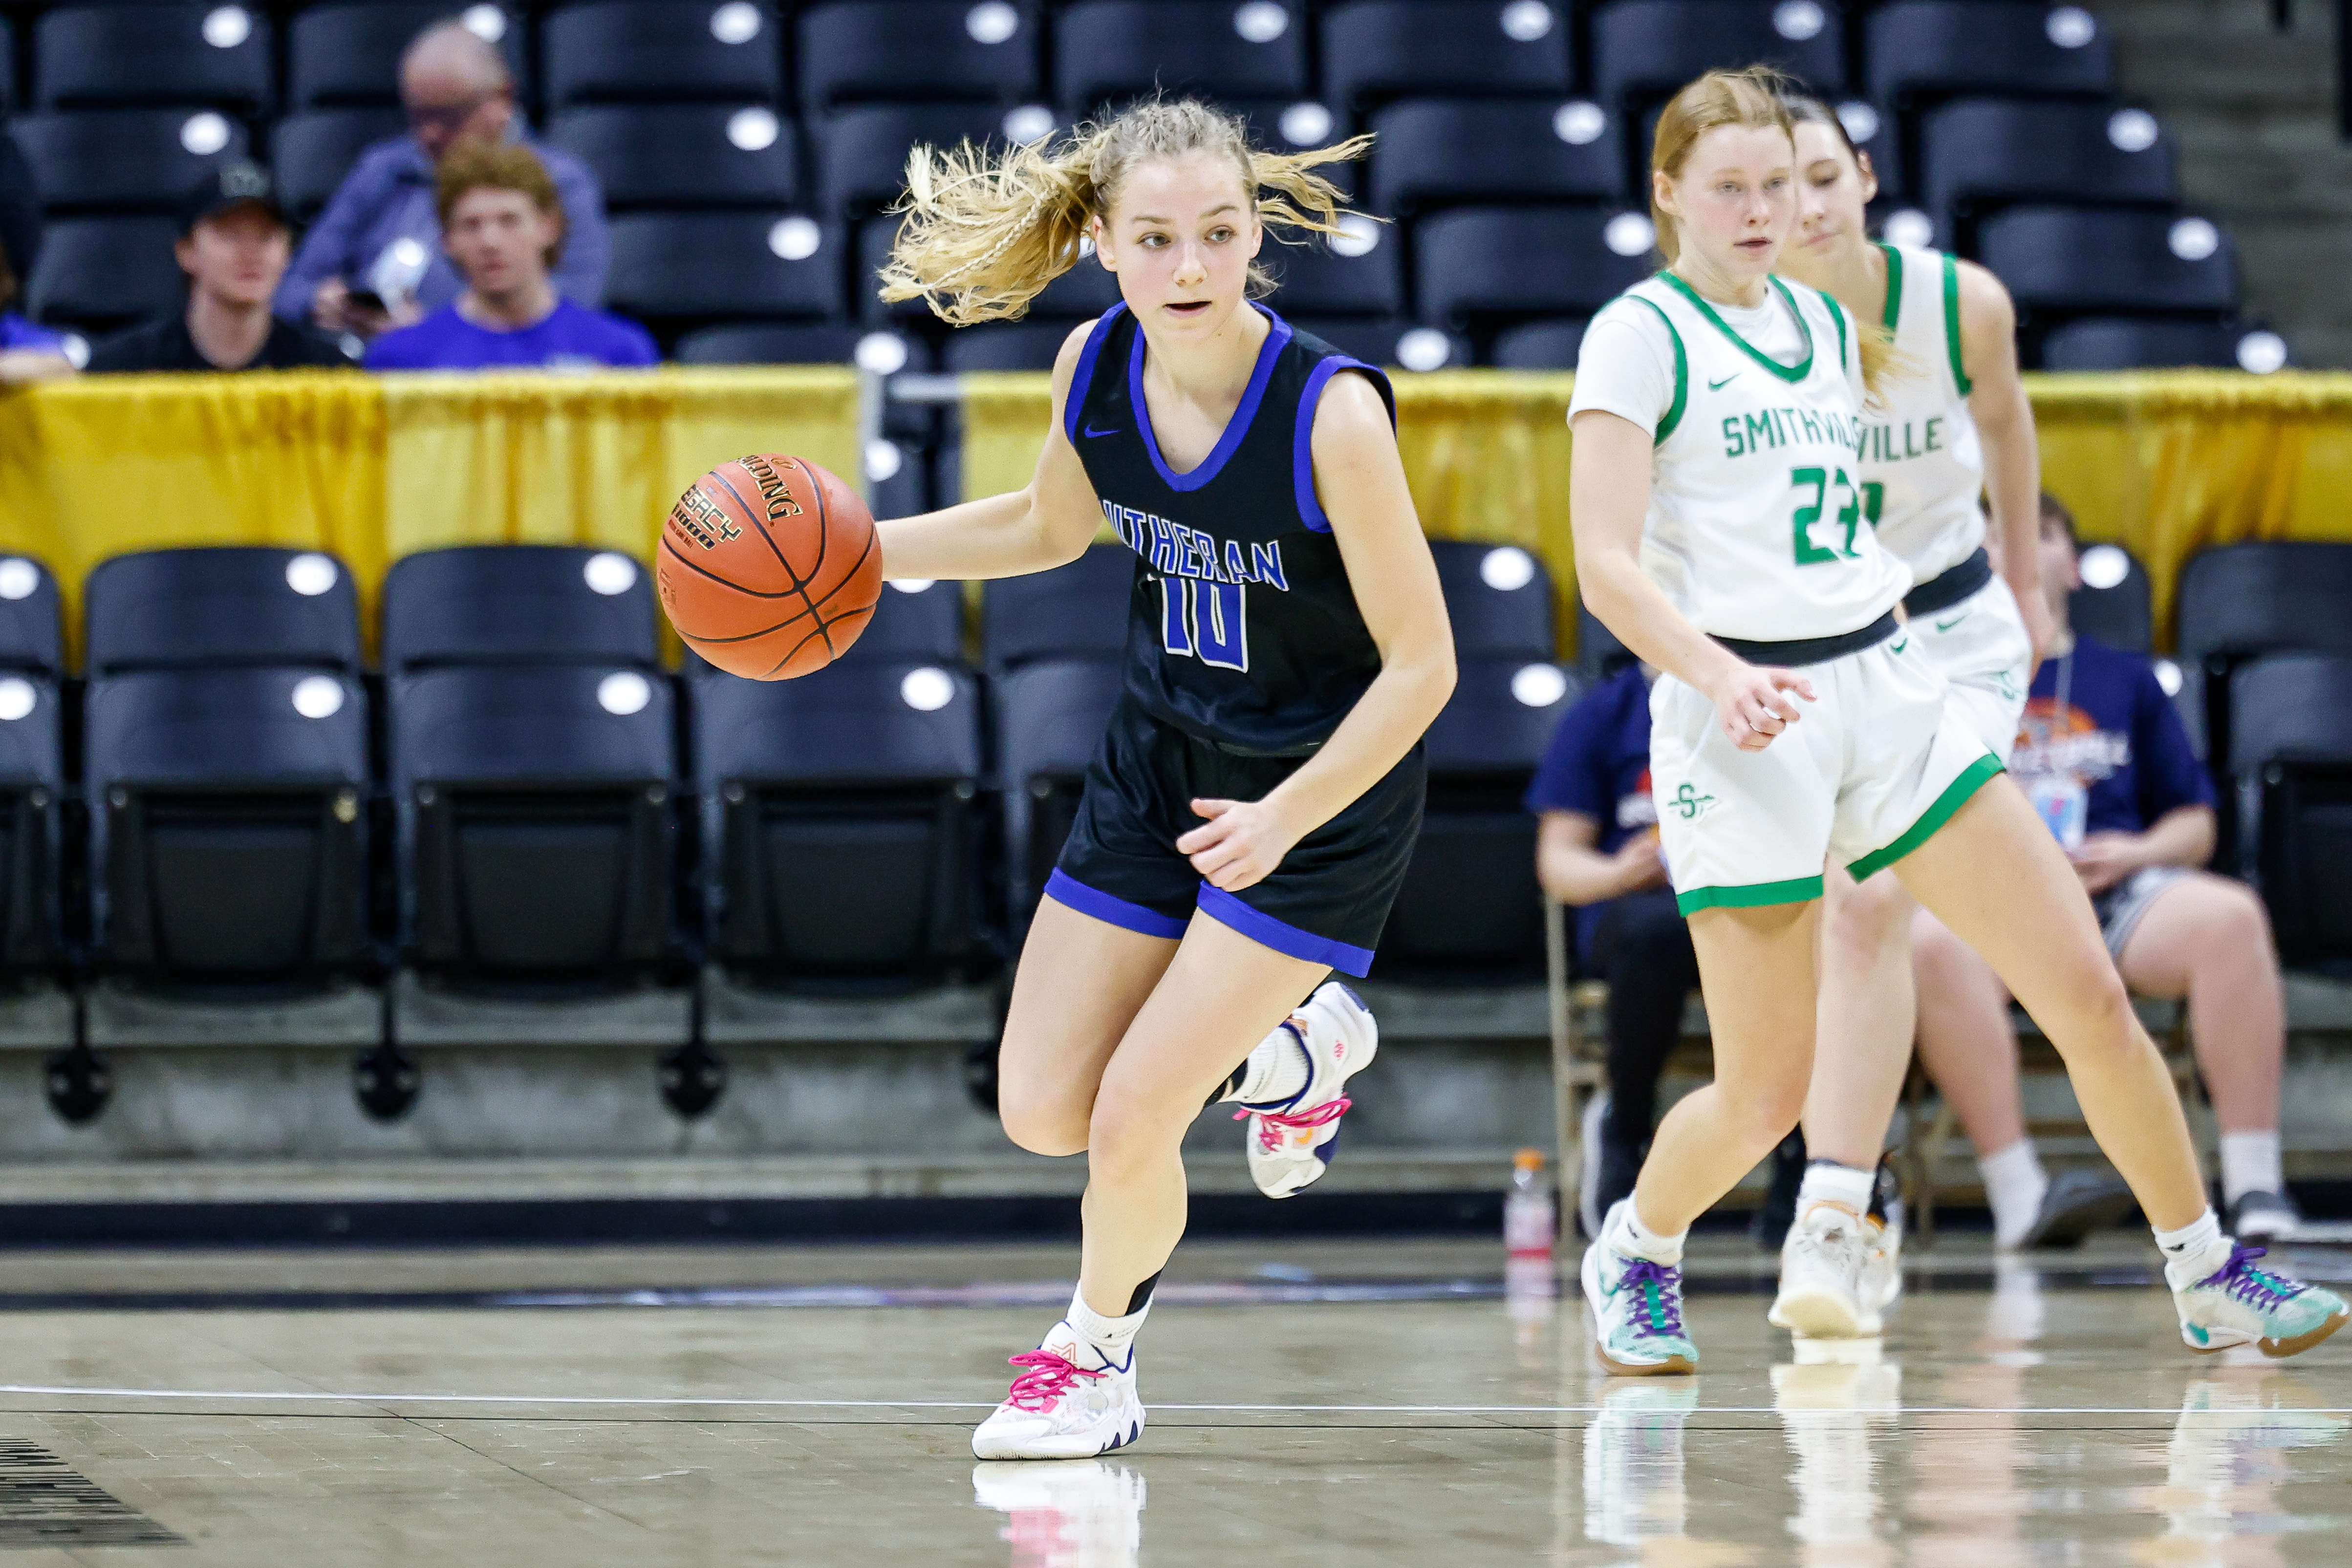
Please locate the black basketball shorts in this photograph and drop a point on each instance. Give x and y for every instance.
(1325, 903)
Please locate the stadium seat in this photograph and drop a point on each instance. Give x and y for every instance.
(1982, 152)
(913, 623)
(229, 838)
(803, 344)
(1374, 50)
(1321, 279)
(2088, 258)
(1050, 716)
(1498, 598)
(919, 51)
(1005, 346)
(2243, 601)
(32, 798)
(115, 57)
(899, 478)
(1108, 51)
(841, 822)
(688, 267)
(1540, 346)
(221, 606)
(2115, 603)
(684, 155)
(1472, 263)
(2122, 343)
(1599, 653)
(1435, 151)
(657, 51)
(2291, 764)
(518, 604)
(1646, 49)
(32, 623)
(1390, 343)
(538, 833)
(1920, 49)
(346, 54)
(1470, 908)
(311, 154)
(861, 152)
(123, 160)
(1073, 611)
(98, 273)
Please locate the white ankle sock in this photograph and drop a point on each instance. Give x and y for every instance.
(2193, 1253)
(2014, 1183)
(1625, 1231)
(1275, 1073)
(1826, 1181)
(1113, 1339)
(2250, 1163)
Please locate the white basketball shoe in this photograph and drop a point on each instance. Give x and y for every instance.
(1291, 1142)
(1070, 1402)
(1821, 1265)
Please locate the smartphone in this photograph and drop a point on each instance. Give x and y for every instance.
(364, 300)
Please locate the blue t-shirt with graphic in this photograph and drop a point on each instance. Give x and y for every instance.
(571, 337)
(2099, 715)
(1598, 766)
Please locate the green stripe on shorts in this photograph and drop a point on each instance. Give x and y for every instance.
(1955, 795)
(1748, 895)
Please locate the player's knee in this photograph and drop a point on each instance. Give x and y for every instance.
(2098, 1020)
(1764, 1113)
(1040, 1123)
(1869, 916)
(1124, 1131)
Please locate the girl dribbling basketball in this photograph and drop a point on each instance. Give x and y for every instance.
(1249, 816)
(1720, 534)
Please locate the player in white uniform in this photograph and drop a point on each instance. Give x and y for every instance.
(1720, 533)
(1951, 417)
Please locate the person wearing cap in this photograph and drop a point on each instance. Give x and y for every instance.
(375, 259)
(29, 352)
(234, 243)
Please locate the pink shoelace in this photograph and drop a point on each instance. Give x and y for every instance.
(1048, 1378)
(1272, 1124)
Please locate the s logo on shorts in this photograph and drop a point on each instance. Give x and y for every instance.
(1687, 803)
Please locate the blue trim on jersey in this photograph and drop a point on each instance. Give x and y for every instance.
(1277, 337)
(1064, 888)
(1302, 443)
(1083, 376)
(1281, 935)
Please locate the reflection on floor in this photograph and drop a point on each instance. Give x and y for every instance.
(1361, 1403)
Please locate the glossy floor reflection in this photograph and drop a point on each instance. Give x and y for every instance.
(1365, 1403)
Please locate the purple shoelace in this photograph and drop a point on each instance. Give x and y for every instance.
(2243, 1281)
(1660, 1286)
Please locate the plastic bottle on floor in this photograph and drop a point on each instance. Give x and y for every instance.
(1530, 1283)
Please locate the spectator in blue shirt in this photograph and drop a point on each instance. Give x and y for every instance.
(374, 258)
(1597, 849)
(2105, 755)
(504, 228)
(27, 352)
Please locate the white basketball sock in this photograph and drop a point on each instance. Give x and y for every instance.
(1826, 1181)
(2014, 1183)
(2194, 1252)
(1625, 1231)
(2251, 1162)
(1112, 1339)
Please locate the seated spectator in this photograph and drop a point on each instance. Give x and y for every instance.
(233, 245)
(374, 258)
(1597, 849)
(504, 228)
(2106, 755)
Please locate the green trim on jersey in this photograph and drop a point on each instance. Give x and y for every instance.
(1893, 312)
(1952, 324)
(1955, 795)
(1748, 895)
(1790, 373)
(1674, 414)
(1837, 314)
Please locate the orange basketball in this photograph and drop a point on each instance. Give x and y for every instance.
(769, 567)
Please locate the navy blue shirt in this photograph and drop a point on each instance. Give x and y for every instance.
(2117, 732)
(571, 337)
(1598, 766)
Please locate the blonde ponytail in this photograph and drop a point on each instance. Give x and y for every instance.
(985, 232)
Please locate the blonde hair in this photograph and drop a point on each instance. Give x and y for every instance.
(985, 231)
(1758, 98)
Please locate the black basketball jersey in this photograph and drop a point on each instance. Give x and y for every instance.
(1241, 628)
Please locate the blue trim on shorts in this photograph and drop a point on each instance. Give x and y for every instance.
(1282, 936)
(1065, 889)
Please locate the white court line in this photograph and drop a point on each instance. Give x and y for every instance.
(675, 1401)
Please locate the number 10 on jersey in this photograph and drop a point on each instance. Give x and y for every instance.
(1203, 620)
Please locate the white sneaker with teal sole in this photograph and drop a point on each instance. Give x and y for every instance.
(1637, 1310)
(2241, 1304)
(1068, 1403)
(1291, 1142)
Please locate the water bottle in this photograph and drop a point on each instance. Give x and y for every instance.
(1527, 1212)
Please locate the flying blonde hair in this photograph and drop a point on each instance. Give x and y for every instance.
(1759, 98)
(985, 231)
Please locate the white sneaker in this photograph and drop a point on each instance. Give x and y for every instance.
(1820, 1276)
(1083, 1513)
(1880, 1281)
(1291, 1142)
(1068, 1403)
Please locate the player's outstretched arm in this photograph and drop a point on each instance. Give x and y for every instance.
(1049, 524)
(2012, 457)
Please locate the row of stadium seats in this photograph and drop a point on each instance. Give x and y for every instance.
(524, 797)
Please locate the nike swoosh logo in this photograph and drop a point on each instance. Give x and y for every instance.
(1718, 386)
(1947, 625)
(1092, 430)
(1900, 647)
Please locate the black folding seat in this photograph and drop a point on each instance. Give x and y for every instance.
(98, 273)
(1599, 653)
(1437, 152)
(1393, 342)
(2290, 769)
(111, 57)
(660, 51)
(1920, 49)
(1498, 598)
(1005, 346)
(684, 155)
(346, 54)
(1646, 49)
(2245, 602)
(2115, 603)
(862, 151)
(1108, 51)
(1361, 275)
(1379, 50)
(123, 160)
(677, 268)
(1540, 345)
(2109, 259)
(1473, 263)
(1049, 718)
(312, 152)
(32, 626)
(219, 607)
(1470, 908)
(1073, 611)
(32, 768)
(518, 604)
(2122, 343)
(1980, 153)
(801, 344)
(919, 51)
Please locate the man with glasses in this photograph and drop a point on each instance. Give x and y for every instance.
(374, 258)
